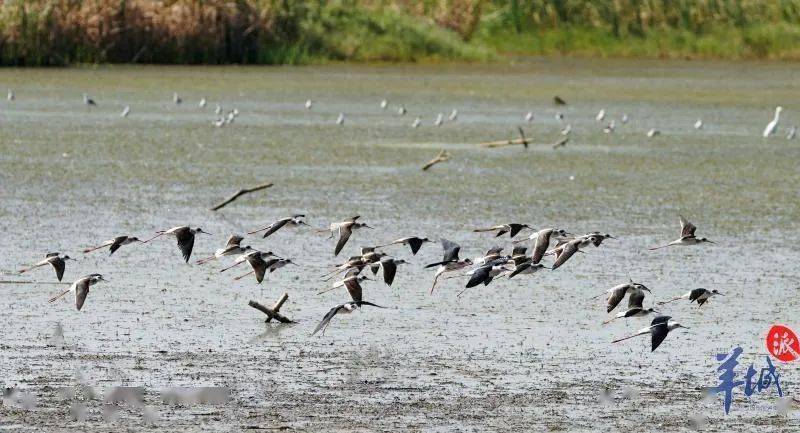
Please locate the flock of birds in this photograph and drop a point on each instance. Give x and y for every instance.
(545, 242)
(227, 117)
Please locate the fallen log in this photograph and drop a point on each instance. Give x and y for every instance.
(441, 157)
(510, 142)
(240, 193)
(273, 313)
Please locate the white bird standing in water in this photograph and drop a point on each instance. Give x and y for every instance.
(439, 120)
(792, 133)
(125, 111)
(453, 115)
(625, 118)
(309, 104)
(10, 96)
(653, 132)
(600, 115)
(416, 123)
(218, 110)
(772, 126)
(202, 103)
(529, 117)
(698, 124)
(340, 119)
(176, 99)
(384, 104)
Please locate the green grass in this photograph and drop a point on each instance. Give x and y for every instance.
(757, 41)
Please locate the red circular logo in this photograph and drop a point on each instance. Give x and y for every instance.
(783, 344)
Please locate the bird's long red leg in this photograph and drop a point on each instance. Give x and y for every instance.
(22, 271)
(160, 234)
(242, 276)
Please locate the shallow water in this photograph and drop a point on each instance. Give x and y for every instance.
(526, 354)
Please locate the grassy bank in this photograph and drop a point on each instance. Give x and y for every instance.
(63, 32)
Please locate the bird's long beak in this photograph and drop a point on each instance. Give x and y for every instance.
(721, 294)
(368, 227)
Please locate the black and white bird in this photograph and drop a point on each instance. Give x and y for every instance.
(184, 235)
(512, 229)
(176, 99)
(261, 265)
(10, 95)
(450, 261)
(413, 242)
(542, 240)
(523, 264)
(125, 111)
(81, 289)
(345, 229)
(232, 246)
(658, 329)
(617, 294)
(565, 251)
(687, 236)
(700, 295)
(88, 101)
(56, 260)
(487, 272)
(292, 221)
(635, 307)
(389, 267)
(354, 288)
(114, 244)
(242, 258)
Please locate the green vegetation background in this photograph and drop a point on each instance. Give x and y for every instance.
(63, 32)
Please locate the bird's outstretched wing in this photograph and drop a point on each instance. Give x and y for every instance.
(635, 299)
(659, 333)
(565, 253)
(415, 244)
(344, 234)
(479, 276)
(58, 266)
(234, 240)
(451, 250)
(81, 291)
(615, 297)
(354, 289)
(687, 228)
(327, 319)
(389, 271)
(274, 227)
(185, 240)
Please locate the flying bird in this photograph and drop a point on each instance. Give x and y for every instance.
(700, 295)
(389, 266)
(232, 246)
(617, 294)
(345, 229)
(512, 229)
(292, 221)
(450, 261)
(81, 289)
(184, 235)
(658, 329)
(635, 308)
(56, 260)
(114, 244)
(687, 236)
(413, 242)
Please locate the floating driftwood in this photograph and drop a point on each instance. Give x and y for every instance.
(442, 157)
(500, 143)
(240, 193)
(273, 313)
